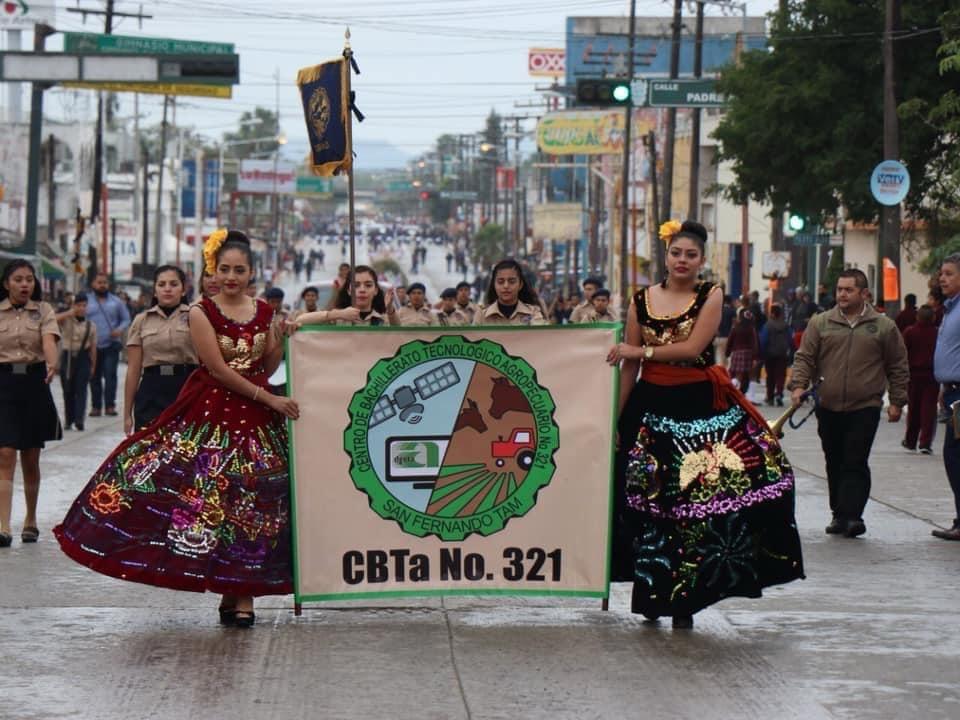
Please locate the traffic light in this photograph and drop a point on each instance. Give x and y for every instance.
(793, 223)
(603, 91)
(426, 194)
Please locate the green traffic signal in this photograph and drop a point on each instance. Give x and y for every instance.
(603, 91)
(796, 222)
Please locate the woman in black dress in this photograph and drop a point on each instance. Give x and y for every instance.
(705, 495)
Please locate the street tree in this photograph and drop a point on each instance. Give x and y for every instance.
(489, 245)
(943, 115)
(261, 127)
(803, 129)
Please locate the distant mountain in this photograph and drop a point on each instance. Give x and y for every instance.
(371, 154)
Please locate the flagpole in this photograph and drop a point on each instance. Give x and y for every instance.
(347, 54)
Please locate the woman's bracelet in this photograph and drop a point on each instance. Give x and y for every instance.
(256, 393)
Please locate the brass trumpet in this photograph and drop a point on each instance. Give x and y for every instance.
(776, 427)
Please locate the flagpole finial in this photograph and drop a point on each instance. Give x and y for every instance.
(346, 39)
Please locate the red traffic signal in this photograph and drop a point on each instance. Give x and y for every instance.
(427, 194)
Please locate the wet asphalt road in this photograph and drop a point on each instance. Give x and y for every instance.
(873, 632)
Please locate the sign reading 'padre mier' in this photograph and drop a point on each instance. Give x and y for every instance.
(472, 462)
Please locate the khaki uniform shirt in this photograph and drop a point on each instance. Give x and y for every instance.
(592, 316)
(457, 317)
(368, 320)
(72, 332)
(22, 331)
(469, 310)
(523, 315)
(585, 307)
(410, 316)
(165, 340)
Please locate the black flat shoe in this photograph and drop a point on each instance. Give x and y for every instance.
(6, 540)
(29, 535)
(244, 618)
(682, 622)
(228, 615)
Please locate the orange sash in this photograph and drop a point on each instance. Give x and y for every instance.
(725, 393)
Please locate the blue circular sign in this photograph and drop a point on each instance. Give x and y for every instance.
(890, 182)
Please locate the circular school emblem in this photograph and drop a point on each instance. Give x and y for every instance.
(320, 111)
(451, 437)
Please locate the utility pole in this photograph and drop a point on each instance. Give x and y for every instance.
(51, 189)
(158, 217)
(625, 180)
(693, 209)
(650, 144)
(108, 15)
(40, 33)
(889, 240)
(517, 238)
(671, 130)
(144, 204)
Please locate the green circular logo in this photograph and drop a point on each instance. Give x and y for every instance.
(451, 437)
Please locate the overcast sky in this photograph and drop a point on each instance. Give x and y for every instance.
(428, 66)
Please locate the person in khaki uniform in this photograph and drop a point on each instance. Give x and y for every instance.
(859, 354)
(369, 305)
(450, 313)
(600, 308)
(28, 417)
(590, 286)
(309, 297)
(417, 312)
(509, 300)
(78, 360)
(159, 344)
(464, 304)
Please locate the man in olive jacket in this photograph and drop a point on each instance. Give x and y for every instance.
(858, 353)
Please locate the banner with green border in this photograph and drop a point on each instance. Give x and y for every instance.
(469, 461)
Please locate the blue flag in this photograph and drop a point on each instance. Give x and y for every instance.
(326, 109)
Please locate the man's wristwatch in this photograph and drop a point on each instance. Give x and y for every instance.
(648, 352)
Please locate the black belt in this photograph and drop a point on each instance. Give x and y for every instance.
(169, 370)
(23, 368)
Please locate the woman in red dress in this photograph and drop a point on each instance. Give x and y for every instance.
(200, 499)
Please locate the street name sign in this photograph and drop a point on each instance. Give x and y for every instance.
(98, 69)
(310, 185)
(468, 195)
(93, 43)
(810, 239)
(684, 92)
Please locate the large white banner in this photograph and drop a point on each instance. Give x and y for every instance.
(267, 177)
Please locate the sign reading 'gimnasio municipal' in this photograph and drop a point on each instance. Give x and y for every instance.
(457, 462)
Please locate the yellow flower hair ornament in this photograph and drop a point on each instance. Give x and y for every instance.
(669, 229)
(210, 248)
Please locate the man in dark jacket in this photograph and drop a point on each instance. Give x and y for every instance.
(776, 345)
(859, 354)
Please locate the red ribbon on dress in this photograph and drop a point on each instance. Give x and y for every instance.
(725, 393)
